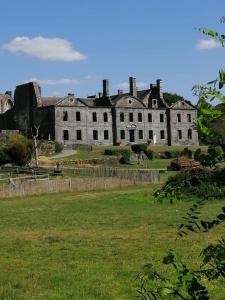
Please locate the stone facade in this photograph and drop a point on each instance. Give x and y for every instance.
(134, 117)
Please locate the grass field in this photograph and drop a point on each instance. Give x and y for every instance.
(91, 245)
(97, 153)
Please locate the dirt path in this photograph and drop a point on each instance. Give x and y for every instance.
(64, 153)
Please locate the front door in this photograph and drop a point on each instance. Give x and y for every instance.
(132, 139)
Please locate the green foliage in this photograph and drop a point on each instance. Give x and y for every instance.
(116, 151)
(58, 147)
(125, 158)
(213, 256)
(122, 152)
(214, 155)
(195, 224)
(149, 153)
(197, 154)
(205, 184)
(172, 98)
(195, 182)
(187, 152)
(186, 285)
(171, 154)
(18, 149)
(4, 158)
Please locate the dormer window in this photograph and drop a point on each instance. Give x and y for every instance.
(154, 103)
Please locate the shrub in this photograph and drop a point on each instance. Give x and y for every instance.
(187, 152)
(58, 147)
(197, 154)
(149, 153)
(19, 149)
(116, 151)
(216, 153)
(125, 158)
(196, 182)
(4, 158)
(172, 154)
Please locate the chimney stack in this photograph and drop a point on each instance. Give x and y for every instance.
(133, 87)
(120, 92)
(105, 88)
(159, 84)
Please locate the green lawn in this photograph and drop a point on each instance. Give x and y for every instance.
(156, 163)
(90, 245)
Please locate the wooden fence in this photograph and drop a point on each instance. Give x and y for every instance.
(38, 186)
(137, 175)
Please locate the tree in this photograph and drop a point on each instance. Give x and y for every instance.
(19, 149)
(187, 285)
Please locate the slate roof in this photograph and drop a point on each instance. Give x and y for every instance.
(47, 101)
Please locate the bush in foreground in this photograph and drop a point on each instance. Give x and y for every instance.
(16, 149)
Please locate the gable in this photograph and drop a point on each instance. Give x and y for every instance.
(70, 101)
(182, 105)
(128, 102)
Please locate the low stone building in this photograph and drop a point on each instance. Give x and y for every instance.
(134, 117)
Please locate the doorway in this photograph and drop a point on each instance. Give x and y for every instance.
(131, 133)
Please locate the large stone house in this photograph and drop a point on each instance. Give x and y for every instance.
(134, 117)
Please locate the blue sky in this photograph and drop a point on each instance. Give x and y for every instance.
(71, 45)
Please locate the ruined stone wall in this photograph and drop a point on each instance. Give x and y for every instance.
(45, 118)
(25, 103)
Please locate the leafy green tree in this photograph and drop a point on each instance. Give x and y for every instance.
(188, 284)
(19, 149)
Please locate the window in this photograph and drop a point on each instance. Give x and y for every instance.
(189, 117)
(131, 117)
(121, 117)
(65, 135)
(149, 117)
(140, 134)
(139, 117)
(178, 118)
(161, 118)
(162, 134)
(77, 115)
(150, 134)
(154, 103)
(65, 116)
(189, 134)
(105, 117)
(79, 135)
(95, 135)
(122, 134)
(94, 117)
(179, 134)
(106, 134)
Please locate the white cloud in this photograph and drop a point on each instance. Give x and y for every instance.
(64, 81)
(125, 85)
(52, 49)
(208, 44)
